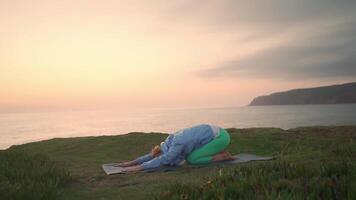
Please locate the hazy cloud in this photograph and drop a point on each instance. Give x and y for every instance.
(326, 47)
(274, 13)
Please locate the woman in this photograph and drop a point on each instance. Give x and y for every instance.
(199, 144)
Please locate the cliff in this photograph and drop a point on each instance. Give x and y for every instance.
(334, 94)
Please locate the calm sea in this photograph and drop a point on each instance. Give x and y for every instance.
(18, 128)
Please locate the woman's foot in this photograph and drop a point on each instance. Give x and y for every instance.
(222, 156)
(228, 156)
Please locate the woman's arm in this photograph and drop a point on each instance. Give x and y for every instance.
(133, 169)
(164, 159)
(127, 164)
(138, 161)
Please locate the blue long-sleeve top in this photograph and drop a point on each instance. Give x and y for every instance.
(178, 145)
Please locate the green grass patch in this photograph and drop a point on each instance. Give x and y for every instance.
(25, 176)
(307, 159)
(272, 180)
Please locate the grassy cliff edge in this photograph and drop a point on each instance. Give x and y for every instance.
(308, 159)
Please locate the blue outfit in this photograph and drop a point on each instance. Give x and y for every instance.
(178, 145)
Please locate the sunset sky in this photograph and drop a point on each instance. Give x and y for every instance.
(87, 54)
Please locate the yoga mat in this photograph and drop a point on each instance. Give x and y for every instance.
(111, 168)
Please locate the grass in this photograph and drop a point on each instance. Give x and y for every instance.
(307, 159)
(273, 180)
(24, 176)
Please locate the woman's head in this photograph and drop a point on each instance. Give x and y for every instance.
(156, 150)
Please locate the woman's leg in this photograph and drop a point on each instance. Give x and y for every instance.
(205, 154)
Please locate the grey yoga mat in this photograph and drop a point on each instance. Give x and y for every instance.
(111, 168)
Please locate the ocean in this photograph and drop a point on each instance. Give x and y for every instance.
(19, 128)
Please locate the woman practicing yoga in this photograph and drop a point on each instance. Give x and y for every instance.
(199, 144)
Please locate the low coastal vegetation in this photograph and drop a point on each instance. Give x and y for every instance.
(310, 163)
(30, 177)
(273, 180)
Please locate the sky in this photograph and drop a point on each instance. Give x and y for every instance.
(91, 54)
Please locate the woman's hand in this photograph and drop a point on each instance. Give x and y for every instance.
(133, 169)
(126, 164)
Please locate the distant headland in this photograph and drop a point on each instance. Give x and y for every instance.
(334, 94)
